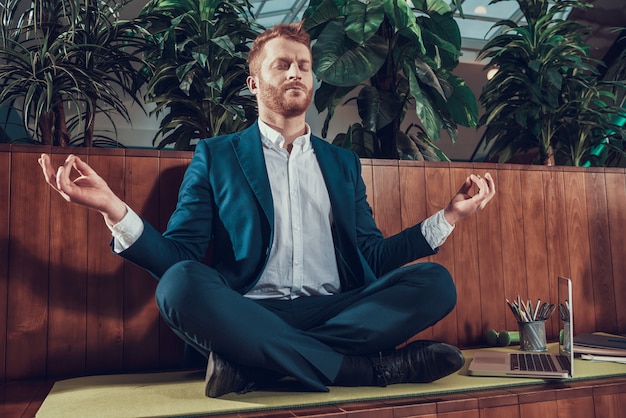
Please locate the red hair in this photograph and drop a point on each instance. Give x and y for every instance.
(290, 31)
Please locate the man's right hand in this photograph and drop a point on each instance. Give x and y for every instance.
(88, 189)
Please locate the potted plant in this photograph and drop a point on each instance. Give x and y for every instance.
(64, 62)
(198, 50)
(546, 97)
(400, 60)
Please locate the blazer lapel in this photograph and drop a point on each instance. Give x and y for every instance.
(249, 152)
(336, 181)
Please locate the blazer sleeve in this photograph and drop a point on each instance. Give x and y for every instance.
(189, 229)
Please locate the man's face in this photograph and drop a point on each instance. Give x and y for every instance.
(284, 84)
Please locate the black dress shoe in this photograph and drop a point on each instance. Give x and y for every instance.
(223, 377)
(418, 362)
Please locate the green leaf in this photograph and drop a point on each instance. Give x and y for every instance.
(339, 61)
(377, 109)
(402, 19)
(424, 109)
(427, 76)
(462, 105)
(363, 20)
(319, 13)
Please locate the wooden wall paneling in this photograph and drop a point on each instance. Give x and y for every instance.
(457, 405)
(580, 261)
(412, 185)
(366, 175)
(438, 195)
(575, 402)
(610, 398)
(386, 195)
(540, 401)
(509, 411)
(616, 207)
(538, 409)
(538, 279)
(172, 166)
(67, 298)
(412, 407)
(29, 236)
(600, 251)
(556, 237)
(498, 403)
(105, 276)
(512, 241)
(466, 270)
(493, 308)
(18, 397)
(460, 414)
(5, 207)
(610, 405)
(141, 315)
(413, 209)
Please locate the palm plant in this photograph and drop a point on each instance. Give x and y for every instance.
(63, 62)
(198, 49)
(546, 96)
(402, 59)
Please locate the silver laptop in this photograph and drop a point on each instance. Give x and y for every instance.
(516, 363)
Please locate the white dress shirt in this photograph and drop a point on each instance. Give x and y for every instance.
(302, 258)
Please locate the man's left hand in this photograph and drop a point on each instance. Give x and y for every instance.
(463, 204)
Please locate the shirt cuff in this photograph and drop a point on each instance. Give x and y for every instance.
(127, 231)
(436, 229)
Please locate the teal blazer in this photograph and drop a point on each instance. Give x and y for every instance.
(225, 200)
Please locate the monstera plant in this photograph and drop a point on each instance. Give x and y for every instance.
(547, 99)
(198, 49)
(394, 58)
(64, 62)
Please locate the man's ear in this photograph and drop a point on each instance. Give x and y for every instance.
(252, 84)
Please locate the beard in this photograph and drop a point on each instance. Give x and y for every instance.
(284, 101)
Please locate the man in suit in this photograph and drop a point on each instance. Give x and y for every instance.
(301, 282)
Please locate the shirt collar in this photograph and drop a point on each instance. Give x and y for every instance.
(272, 138)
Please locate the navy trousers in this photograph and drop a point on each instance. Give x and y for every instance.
(308, 337)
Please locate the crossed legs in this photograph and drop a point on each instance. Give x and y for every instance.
(307, 338)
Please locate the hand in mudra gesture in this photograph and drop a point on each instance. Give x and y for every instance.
(463, 204)
(88, 189)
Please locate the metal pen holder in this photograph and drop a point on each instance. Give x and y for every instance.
(532, 336)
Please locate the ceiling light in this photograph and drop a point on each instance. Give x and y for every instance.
(480, 10)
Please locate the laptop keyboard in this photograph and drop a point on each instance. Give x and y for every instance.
(537, 362)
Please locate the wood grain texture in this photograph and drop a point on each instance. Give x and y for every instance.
(28, 267)
(579, 251)
(512, 238)
(616, 208)
(494, 310)
(386, 196)
(5, 208)
(141, 315)
(105, 278)
(438, 196)
(67, 287)
(466, 270)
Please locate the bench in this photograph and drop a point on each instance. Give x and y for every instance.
(73, 308)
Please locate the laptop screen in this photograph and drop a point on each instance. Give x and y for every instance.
(566, 323)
